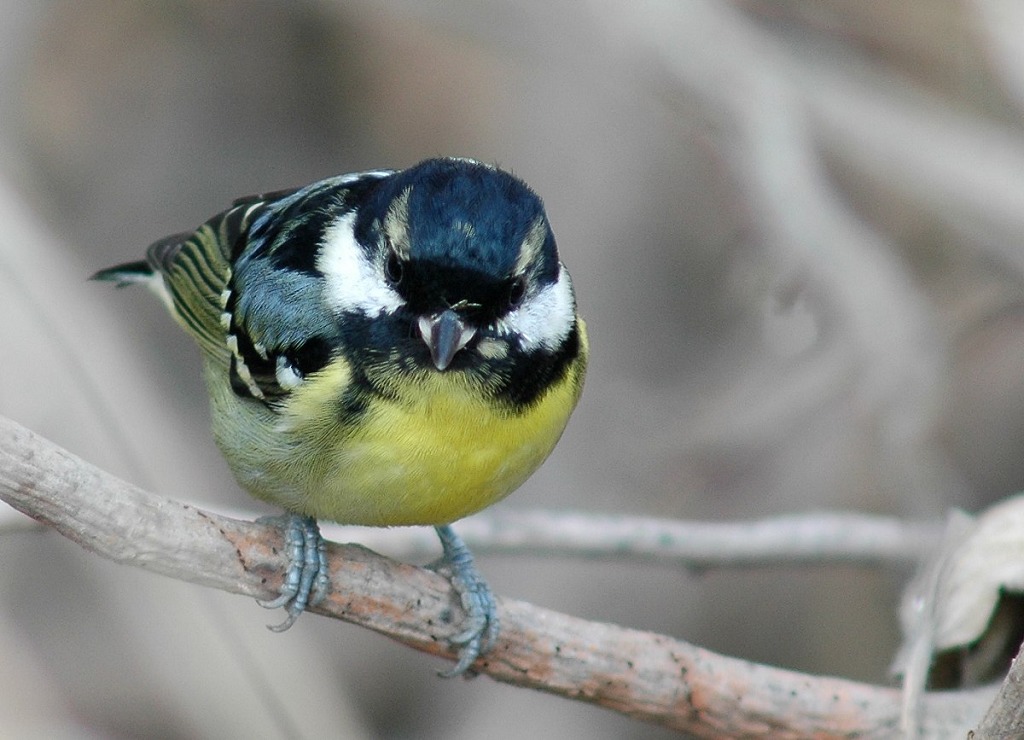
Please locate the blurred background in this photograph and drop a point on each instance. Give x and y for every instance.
(796, 232)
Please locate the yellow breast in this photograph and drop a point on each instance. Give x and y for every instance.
(439, 456)
(437, 452)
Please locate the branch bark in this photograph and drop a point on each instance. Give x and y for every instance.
(1005, 717)
(651, 677)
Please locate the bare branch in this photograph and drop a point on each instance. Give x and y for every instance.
(799, 539)
(647, 676)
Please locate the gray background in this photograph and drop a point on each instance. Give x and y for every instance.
(795, 229)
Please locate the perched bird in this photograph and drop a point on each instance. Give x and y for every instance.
(381, 348)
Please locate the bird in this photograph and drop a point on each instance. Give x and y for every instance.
(390, 347)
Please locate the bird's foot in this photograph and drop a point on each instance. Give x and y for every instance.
(482, 627)
(307, 580)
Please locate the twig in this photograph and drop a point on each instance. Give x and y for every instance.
(800, 539)
(651, 677)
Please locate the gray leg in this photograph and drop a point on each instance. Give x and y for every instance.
(481, 630)
(307, 579)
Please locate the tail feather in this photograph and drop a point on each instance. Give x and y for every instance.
(151, 272)
(160, 257)
(129, 273)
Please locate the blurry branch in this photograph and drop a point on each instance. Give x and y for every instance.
(878, 342)
(647, 676)
(802, 539)
(890, 135)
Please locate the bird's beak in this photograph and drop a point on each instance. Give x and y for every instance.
(445, 334)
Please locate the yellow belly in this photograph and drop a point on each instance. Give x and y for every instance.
(436, 454)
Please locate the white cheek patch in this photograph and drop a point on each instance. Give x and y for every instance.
(545, 319)
(352, 281)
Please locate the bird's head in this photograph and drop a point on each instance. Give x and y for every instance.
(461, 261)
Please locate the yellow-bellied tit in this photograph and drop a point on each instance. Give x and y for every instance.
(381, 348)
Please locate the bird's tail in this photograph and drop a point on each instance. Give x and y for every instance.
(127, 274)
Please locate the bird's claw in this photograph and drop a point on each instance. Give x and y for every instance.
(482, 626)
(307, 580)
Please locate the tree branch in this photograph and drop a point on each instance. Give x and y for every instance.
(647, 676)
(801, 539)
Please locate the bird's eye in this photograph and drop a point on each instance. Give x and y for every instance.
(516, 292)
(393, 268)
